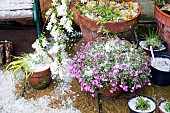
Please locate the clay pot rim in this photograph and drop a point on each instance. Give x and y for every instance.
(124, 21)
(160, 104)
(160, 11)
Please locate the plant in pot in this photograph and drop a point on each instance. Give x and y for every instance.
(141, 104)
(96, 18)
(152, 39)
(164, 107)
(109, 65)
(160, 69)
(163, 20)
(36, 67)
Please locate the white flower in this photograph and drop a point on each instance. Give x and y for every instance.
(63, 20)
(49, 12)
(36, 45)
(54, 49)
(83, 1)
(53, 18)
(68, 26)
(44, 42)
(107, 47)
(62, 10)
(49, 26)
(54, 32)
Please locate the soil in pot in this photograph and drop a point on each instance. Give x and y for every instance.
(132, 104)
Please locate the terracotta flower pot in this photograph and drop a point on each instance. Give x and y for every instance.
(75, 15)
(161, 106)
(163, 25)
(89, 28)
(106, 92)
(41, 79)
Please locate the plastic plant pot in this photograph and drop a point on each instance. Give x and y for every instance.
(159, 77)
(132, 103)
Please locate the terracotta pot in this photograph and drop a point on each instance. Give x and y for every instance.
(89, 28)
(160, 110)
(75, 15)
(106, 92)
(41, 79)
(163, 25)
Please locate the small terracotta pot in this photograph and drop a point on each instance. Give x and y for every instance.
(89, 28)
(41, 79)
(106, 92)
(163, 25)
(160, 111)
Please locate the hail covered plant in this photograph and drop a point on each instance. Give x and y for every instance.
(110, 62)
(59, 18)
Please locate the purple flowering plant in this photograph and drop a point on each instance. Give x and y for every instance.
(110, 62)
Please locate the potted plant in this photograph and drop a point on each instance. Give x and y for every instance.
(110, 63)
(141, 104)
(152, 39)
(99, 17)
(36, 67)
(163, 21)
(164, 107)
(160, 69)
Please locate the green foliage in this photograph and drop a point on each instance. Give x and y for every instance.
(20, 64)
(152, 39)
(167, 107)
(161, 3)
(142, 104)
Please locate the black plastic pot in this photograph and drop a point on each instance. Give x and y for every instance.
(160, 78)
(148, 52)
(132, 111)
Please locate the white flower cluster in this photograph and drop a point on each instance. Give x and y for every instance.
(60, 20)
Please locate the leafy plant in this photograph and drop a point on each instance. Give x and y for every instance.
(152, 39)
(27, 63)
(108, 11)
(110, 62)
(142, 104)
(167, 107)
(161, 3)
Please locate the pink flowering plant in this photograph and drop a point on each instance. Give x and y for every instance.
(110, 62)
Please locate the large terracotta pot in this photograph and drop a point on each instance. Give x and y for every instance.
(89, 28)
(41, 79)
(163, 25)
(106, 92)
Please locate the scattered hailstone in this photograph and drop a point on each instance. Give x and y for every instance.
(10, 103)
(162, 64)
